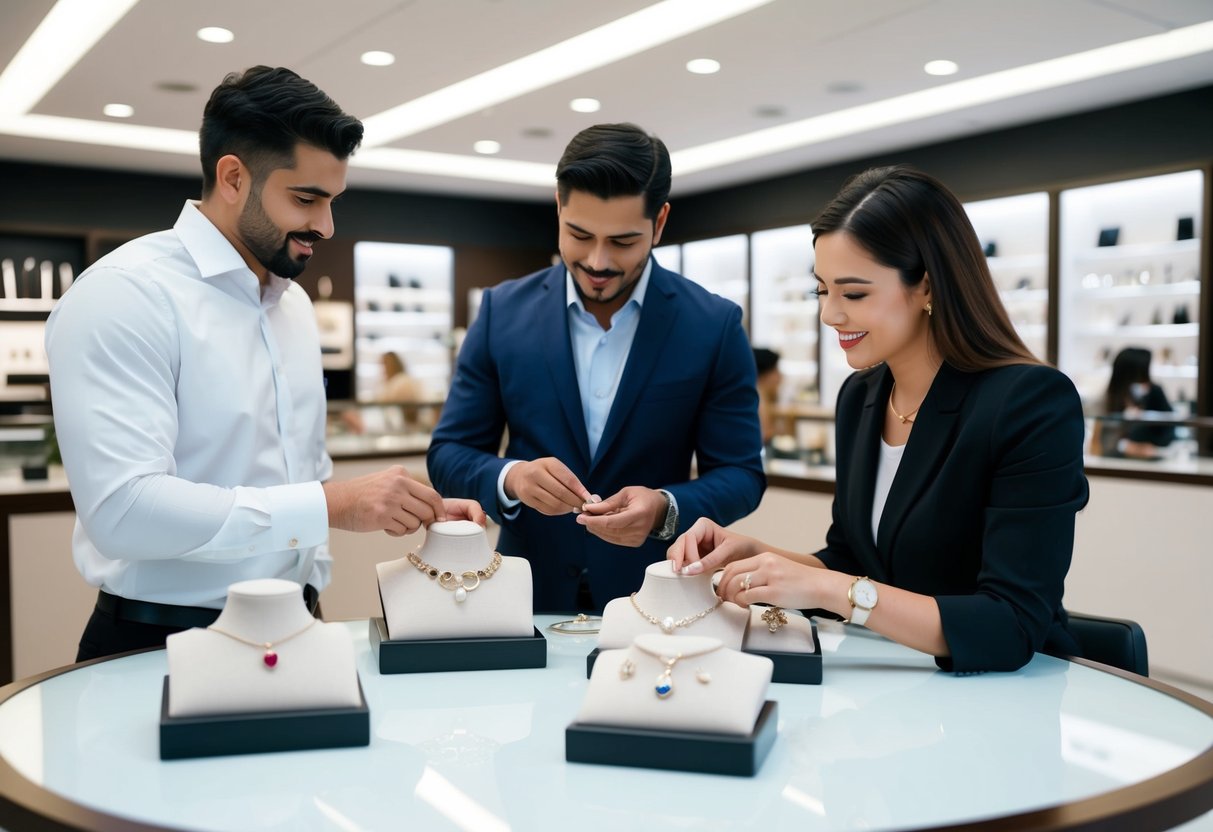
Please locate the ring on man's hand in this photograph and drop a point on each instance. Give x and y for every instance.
(745, 582)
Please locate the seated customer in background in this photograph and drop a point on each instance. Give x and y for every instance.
(959, 455)
(1130, 392)
(769, 379)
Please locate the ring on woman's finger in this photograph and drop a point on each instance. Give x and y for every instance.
(745, 582)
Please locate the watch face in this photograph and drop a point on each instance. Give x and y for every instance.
(864, 594)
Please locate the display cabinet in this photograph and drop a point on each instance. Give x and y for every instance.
(720, 265)
(1130, 276)
(784, 309)
(403, 304)
(1014, 235)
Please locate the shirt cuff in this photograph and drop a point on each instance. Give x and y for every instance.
(299, 514)
(509, 508)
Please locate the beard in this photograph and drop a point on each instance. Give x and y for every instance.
(626, 285)
(268, 243)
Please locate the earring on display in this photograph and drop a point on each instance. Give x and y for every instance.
(928, 308)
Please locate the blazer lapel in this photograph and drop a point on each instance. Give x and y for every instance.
(657, 316)
(558, 351)
(867, 454)
(926, 450)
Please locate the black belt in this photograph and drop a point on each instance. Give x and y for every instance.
(174, 615)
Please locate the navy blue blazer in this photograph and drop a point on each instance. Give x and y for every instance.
(981, 512)
(688, 389)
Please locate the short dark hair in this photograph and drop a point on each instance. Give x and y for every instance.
(261, 114)
(911, 222)
(610, 160)
(765, 360)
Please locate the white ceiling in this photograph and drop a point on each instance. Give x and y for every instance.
(800, 58)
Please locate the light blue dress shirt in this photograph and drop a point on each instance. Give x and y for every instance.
(190, 412)
(599, 357)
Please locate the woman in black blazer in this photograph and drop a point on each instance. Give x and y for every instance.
(959, 467)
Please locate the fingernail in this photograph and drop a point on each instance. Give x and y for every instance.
(594, 498)
(692, 568)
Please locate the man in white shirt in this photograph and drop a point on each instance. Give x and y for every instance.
(187, 386)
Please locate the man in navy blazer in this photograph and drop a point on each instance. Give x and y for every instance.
(609, 374)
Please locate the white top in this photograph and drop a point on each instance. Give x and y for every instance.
(190, 413)
(886, 470)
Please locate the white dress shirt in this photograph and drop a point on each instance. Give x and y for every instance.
(190, 412)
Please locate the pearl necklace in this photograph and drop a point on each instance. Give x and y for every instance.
(270, 657)
(668, 623)
(457, 583)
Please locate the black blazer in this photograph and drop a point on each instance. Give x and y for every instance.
(981, 513)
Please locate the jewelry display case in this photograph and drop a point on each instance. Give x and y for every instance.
(1130, 276)
(785, 311)
(720, 265)
(1014, 235)
(403, 297)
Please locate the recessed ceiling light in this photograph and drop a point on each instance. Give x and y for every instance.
(703, 66)
(585, 105)
(940, 68)
(649, 27)
(377, 58)
(216, 34)
(118, 110)
(487, 146)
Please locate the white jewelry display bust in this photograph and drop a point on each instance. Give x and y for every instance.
(212, 673)
(663, 594)
(415, 606)
(796, 636)
(728, 701)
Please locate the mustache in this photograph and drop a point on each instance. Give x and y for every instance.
(599, 274)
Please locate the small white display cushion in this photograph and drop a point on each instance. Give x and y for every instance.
(416, 607)
(728, 704)
(621, 623)
(210, 673)
(794, 637)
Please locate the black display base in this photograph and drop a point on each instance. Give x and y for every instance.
(790, 668)
(445, 654)
(795, 668)
(741, 756)
(183, 737)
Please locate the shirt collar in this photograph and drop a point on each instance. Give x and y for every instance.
(573, 299)
(215, 255)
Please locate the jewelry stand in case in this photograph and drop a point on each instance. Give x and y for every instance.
(455, 605)
(234, 694)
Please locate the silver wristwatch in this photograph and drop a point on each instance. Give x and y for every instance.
(666, 532)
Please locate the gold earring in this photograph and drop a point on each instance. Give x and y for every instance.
(928, 307)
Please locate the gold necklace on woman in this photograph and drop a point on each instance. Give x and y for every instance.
(270, 657)
(904, 417)
(459, 584)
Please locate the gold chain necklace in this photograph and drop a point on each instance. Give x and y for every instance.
(906, 417)
(668, 623)
(664, 684)
(270, 657)
(457, 583)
